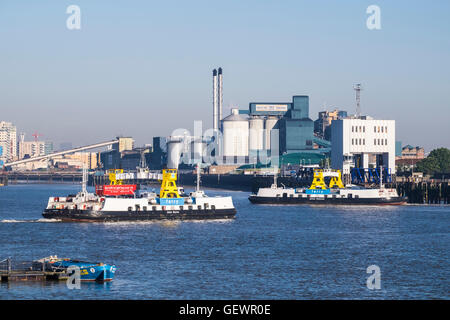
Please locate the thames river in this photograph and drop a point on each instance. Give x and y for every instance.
(267, 252)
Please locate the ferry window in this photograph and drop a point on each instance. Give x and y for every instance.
(359, 128)
(378, 141)
(375, 129)
(382, 142)
(375, 141)
(385, 130)
(144, 208)
(364, 129)
(154, 208)
(364, 141)
(129, 208)
(352, 142)
(199, 207)
(190, 207)
(359, 141)
(378, 129)
(382, 129)
(385, 141)
(353, 129)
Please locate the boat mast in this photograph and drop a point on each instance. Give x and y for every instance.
(275, 173)
(381, 177)
(198, 177)
(84, 181)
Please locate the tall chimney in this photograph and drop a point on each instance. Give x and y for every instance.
(215, 104)
(220, 96)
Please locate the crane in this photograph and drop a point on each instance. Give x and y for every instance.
(36, 135)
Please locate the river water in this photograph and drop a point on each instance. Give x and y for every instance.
(267, 252)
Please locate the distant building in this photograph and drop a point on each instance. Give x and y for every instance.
(125, 143)
(8, 142)
(398, 149)
(77, 160)
(32, 149)
(410, 152)
(360, 142)
(158, 158)
(322, 126)
(410, 156)
(110, 159)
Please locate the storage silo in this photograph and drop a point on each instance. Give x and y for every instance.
(270, 124)
(198, 147)
(256, 134)
(174, 148)
(235, 135)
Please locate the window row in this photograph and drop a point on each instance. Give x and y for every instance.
(380, 142)
(358, 129)
(380, 129)
(362, 142)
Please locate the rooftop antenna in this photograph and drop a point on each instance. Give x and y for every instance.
(358, 88)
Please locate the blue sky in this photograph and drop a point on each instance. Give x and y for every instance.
(143, 68)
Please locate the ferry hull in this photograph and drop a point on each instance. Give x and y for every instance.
(110, 216)
(328, 201)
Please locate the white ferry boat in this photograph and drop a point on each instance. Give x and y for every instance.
(333, 194)
(124, 203)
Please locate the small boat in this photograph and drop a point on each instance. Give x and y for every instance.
(89, 271)
(319, 193)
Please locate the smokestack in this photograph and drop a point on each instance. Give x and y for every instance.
(220, 95)
(215, 104)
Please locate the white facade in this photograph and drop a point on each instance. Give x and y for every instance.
(354, 141)
(8, 141)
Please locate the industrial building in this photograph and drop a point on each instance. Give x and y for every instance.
(363, 142)
(269, 129)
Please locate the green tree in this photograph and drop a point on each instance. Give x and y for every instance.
(438, 161)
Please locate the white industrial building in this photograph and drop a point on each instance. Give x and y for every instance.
(362, 142)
